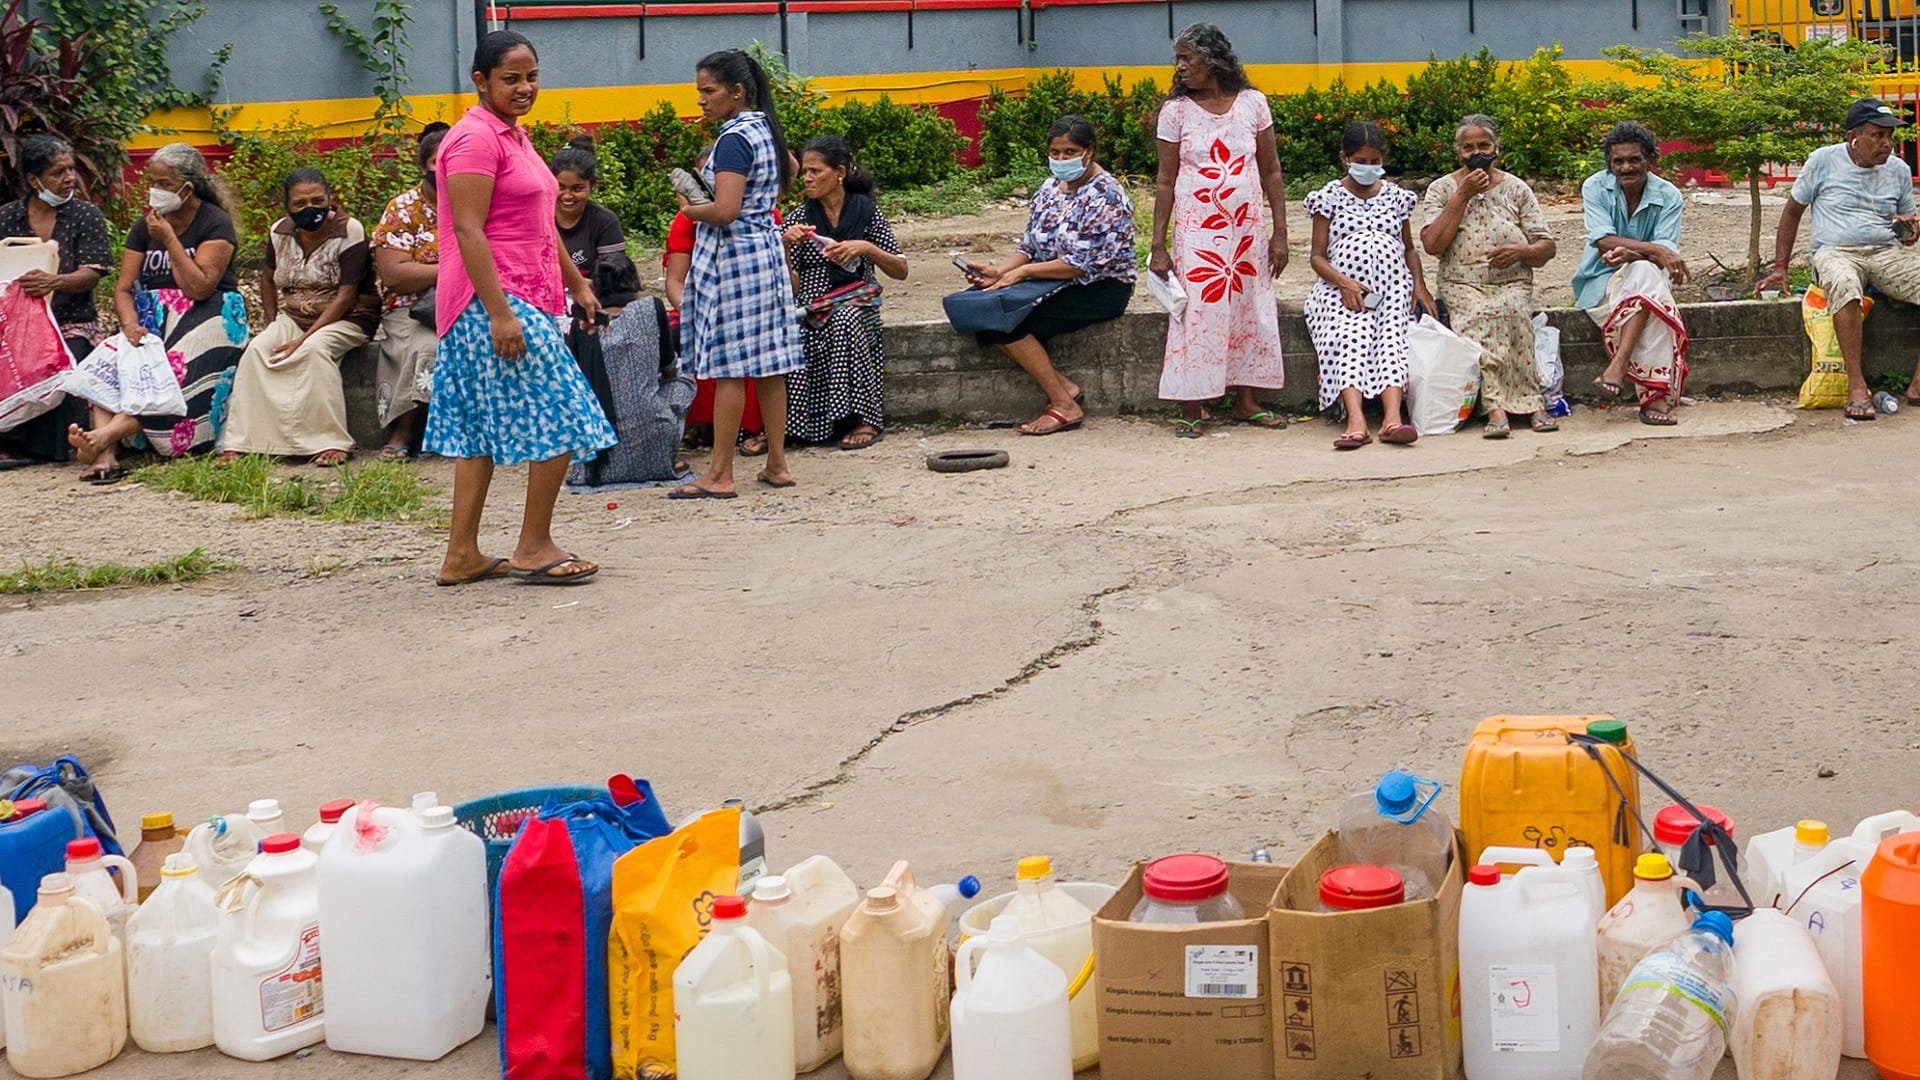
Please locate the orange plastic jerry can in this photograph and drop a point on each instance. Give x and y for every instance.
(1526, 784)
(1889, 927)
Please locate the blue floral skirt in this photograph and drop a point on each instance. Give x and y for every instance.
(536, 408)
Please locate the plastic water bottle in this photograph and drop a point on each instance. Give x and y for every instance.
(1395, 825)
(956, 897)
(1670, 1020)
(1885, 403)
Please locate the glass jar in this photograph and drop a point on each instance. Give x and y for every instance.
(1359, 888)
(1186, 889)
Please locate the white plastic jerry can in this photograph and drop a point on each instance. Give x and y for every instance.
(1529, 974)
(733, 1004)
(6, 931)
(170, 943)
(800, 913)
(1059, 928)
(64, 986)
(1768, 858)
(267, 996)
(1010, 1018)
(403, 912)
(88, 866)
(1787, 1024)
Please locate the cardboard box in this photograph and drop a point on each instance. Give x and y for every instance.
(1149, 1028)
(1372, 994)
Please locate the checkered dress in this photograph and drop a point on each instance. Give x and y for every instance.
(738, 313)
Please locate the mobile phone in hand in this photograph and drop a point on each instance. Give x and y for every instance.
(963, 266)
(1907, 231)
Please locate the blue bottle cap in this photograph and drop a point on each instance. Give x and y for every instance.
(969, 887)
(1718, 923)
(1395, 793)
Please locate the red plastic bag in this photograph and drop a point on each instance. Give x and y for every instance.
(33, 357)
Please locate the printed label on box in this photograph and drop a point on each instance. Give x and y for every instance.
(1526, 1008)
(1223, 971)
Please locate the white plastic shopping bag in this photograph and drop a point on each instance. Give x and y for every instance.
(135, 380)
(1443, 377)
(1171, 296)
(1547, 365)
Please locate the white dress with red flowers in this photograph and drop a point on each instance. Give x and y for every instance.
(1230, 334)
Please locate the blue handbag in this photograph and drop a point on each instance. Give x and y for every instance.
(999, 310)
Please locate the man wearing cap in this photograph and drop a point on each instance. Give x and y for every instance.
(1863, 232)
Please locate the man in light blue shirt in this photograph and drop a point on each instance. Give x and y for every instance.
(1628, 270)
(1863, 233)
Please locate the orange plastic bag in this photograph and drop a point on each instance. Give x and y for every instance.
(663, 894)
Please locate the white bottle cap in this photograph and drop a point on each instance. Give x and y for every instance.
(56, 884)
(179, 864)
(437, 817)
(772, 887)
(1579, 856)
(263, 809)
(425, 800)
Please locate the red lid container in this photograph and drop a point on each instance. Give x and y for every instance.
(727, 908)
(1357, 888)
(331, 813)
(280, 843)
(1185, 879)
(85, 848)
(1484, 875)
(1672, 825)
(23, 807)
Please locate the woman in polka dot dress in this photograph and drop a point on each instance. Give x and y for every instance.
(1370, 285)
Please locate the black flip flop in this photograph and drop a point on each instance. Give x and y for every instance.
(1868, 412)
(539, 575)
(490, 573)
(776, 483)
(8, 463)
(102, 479)
(695, 491)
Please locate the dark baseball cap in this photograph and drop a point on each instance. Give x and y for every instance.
(1872, 111)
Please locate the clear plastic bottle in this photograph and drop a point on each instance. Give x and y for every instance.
(958, 896)
(1182, 889)
(1670, 1020)
(1395, 825)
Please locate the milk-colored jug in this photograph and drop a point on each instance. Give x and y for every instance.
(224, 845)
(1010, 1018)
(1786, 1025)
(1766, 859)
(64, 984)
(6, 931)
(1650, 916)
(169, 961)
(88, 866)
(895, 981)
(1823, 895)
(1529, 974)
(266, 960)
(403, 915)
(800, 913)
(733, 1004)
(1059, 928)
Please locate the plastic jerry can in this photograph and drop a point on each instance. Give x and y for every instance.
(316, 835)
(1823, 895)
(895, 979)
(1787, 1022)
(169, 961)
(33, 844)
(224, 845)
(1060, 928)
(800, 913)
(1396, 825)
(733, 1003)
(87, 865)
(403, 915)
(1529, 974)
(1011, 1017)
(158, 839)
(1889, 927)
(1767, 858)
(1525, 784)
(63, 981)
(6, 931)
(1648, 917)
(266, 958)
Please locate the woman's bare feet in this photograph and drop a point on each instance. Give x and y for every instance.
(330, 459)
(82, 442)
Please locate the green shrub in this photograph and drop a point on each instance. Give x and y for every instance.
(364, 175)
(1548, 127)
(901, 145)
(1307, 126)
(1437, 97)
(1013, 130)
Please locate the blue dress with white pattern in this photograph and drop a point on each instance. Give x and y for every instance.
(738, 311)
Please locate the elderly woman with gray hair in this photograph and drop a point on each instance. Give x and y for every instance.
(1487, 230)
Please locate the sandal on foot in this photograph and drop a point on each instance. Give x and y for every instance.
(1657, 417)
(695, 491)
(1265, 418)
(1496, 431)
(1060, 423)
(1861, 410)
(394, 452)
(1399, 434)
(105, 476)
(1611, 389)
(1185, 428)
(1353, 442)
(544, 575)
(499, 568)
(860, 438)
(772, 483)
(754, 445)
(1544, 423)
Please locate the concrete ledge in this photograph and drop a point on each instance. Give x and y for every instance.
(1742, 347)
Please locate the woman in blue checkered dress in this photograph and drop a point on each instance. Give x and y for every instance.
(737, 313)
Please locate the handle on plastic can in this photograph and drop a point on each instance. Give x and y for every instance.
(129, 877)
(1515, 856)
(963, 961)
(1879, 826)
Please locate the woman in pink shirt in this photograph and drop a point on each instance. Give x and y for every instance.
(505, 389)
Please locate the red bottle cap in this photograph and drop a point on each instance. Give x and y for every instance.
(280, 843)
(83, 849)
(1484, 875)
(727, 908)
(1357, 888)
(1672, 825)
(331, 813)
(23, 807)
(1185, 879)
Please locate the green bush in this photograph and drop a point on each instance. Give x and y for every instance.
(1548, 126)
(1307, 126)
(1437, 97)
(363, 174)
(1013, 130)
(902, 146)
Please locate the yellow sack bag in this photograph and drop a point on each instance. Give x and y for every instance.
(1826, 383)
(663, 894)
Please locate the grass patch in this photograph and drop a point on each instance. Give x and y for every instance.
(954, 195)
(72, 577)
(376, 491)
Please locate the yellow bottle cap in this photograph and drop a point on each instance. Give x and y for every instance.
(162, 820)
(1034, 866)
(1811, 833)
(1653, 867)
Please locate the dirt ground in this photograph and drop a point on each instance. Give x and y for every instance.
(1121, 646)
(1713, 237)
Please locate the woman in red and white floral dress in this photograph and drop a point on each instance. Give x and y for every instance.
(1217, 162)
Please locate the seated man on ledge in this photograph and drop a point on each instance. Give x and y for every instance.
(1628, 270)
(1863, 233)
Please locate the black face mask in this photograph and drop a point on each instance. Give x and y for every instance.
(429, 177)
(310, 218)
(1482, 161)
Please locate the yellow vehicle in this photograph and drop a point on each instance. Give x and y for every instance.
(1894, 22)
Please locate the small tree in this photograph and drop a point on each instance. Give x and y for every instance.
(1740, 103)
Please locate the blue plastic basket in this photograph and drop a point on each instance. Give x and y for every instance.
(496, 819)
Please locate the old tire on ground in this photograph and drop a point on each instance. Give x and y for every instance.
(959, 461)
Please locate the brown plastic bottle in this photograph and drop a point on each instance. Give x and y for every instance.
(158, 839)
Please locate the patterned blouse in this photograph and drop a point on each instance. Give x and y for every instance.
(81, 231)
(306, 284)
(1090, 229)
(1508, 214)
(408, 225)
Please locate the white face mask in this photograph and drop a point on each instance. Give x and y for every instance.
(1366, 175)
(53, 200)
(164, 201)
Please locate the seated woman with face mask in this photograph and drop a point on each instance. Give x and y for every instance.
(321, 304)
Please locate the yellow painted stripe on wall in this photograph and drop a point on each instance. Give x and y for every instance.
(337, 118)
